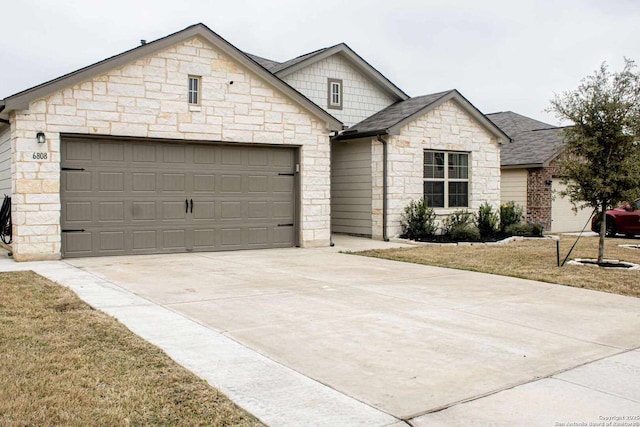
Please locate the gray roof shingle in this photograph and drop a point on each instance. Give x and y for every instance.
(395, 113)
(266, 63)
(533, 142)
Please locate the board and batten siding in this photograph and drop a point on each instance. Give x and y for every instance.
(351, 187)
(5, 161)
(513, 187)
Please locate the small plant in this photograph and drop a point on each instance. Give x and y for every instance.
(457, 219)
(465, 233)
(487, 221)
(537, 229)
(510, 213)
(520, 229)
(418, 220)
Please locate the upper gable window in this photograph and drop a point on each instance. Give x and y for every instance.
(194, 90)
(335, 94)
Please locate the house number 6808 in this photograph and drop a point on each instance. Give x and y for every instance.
(40, 156)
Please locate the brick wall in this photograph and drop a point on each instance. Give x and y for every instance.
(447, 127)
(148, 98)
(361, 97)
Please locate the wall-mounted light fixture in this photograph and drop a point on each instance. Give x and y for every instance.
(41, 138)
(548, 183)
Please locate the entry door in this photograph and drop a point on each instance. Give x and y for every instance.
(139, 197)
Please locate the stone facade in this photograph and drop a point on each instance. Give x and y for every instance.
(148, 98)
(5, 160)
(361, 97)
(447, 127)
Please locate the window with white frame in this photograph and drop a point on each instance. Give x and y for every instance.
(335, 94)
(446, 179)
(194, 90)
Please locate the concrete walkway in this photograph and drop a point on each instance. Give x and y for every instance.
(316, 337)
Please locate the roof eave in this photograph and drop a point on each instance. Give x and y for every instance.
(523, 166)
(356, 135)
(356, 60)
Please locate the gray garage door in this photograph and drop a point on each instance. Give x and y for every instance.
(140, 197)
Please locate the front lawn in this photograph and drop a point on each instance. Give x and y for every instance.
(532, 259)
(62, 363)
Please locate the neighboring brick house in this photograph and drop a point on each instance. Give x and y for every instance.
(189, 144)
(529, 175)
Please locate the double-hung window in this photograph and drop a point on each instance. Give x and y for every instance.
(335, 94)
(194, 90)
(446, 179)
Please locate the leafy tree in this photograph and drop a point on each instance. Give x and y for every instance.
(601, 164)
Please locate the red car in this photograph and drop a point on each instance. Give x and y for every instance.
(624, 220)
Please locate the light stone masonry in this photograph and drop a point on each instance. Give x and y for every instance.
(449, 128)
(148, 98)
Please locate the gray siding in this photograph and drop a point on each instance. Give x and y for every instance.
(351, 187)
(5, 161)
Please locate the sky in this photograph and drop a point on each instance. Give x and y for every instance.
(502, 55)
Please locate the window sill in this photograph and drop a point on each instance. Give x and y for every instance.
(195, 108)
(448, 211)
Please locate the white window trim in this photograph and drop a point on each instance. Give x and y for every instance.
(330, 102)
(447, 180)
(197, 91)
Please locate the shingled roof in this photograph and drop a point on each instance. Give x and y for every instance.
(533, 143)
(391, 119)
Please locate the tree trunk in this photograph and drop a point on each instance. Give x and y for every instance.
(603, 232)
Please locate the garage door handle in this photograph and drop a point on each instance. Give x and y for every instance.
(186, 205)
(191, 205)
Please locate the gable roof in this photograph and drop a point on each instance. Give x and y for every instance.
(22, 99)
(390, 120)
(284, 69)
(266, 63)
(512, 123)
(533, 143)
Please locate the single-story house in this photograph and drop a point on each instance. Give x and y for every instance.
(188, 144)
(529, 174)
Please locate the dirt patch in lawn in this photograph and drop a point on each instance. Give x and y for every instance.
(531, 259)
(62, 363)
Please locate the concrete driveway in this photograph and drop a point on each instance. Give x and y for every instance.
(426, 345)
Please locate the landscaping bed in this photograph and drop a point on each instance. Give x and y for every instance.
(63, 363)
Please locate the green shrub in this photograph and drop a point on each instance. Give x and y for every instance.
(465, 233)
(510, 213)
(418, 220)
(520, 229)
(457, 219)
(487, 220)
(537, 229)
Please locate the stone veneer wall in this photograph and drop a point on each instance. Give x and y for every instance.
(148, 98)
(361, 97)
(447, 127)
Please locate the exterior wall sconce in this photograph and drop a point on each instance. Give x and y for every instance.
(548, 183)
(40, 137)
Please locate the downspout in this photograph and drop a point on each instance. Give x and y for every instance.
(384, 186)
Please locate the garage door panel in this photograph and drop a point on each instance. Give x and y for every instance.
(77, 181)
(143, 181)
(144, 153)
(204, 210)
(144, 240)
(111, 211)
(173, 182)
(204, 183)
(174, 210)
(111, 181)
(111, 152)
(174, 239)
(231, 184)
(130, 197)
(204, 239)
(143, 211)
